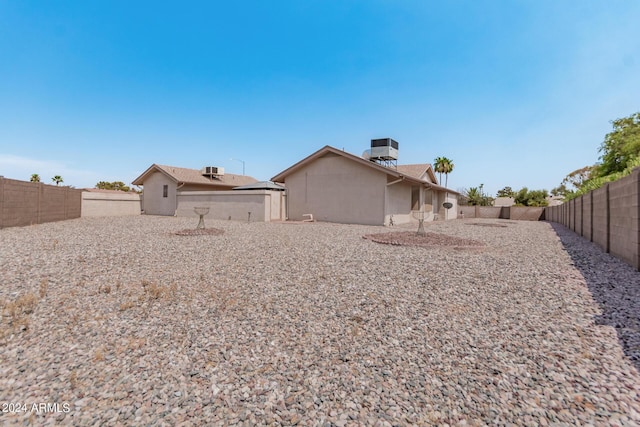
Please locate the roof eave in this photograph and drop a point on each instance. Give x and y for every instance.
(329, 149)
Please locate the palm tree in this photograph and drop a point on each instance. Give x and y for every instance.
(474, 196)
(445, 166)
(57, 179)
(35, 177)
(438, 164)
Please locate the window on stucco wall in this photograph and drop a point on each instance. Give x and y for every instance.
(165, 191)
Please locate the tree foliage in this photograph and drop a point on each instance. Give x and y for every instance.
(505, 192)
(115, 185)
(620, 147)
(560, 190)
(578, 177)
(35, 177)
(443, 165)
(57, 179)
(526, 197)
(474, 196)
(620, 154)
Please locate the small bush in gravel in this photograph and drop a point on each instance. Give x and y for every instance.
(44, 285)
(98, 356)
(18, 312)
(155, 291)
(127, 305)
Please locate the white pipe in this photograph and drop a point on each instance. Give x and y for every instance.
(396, 181)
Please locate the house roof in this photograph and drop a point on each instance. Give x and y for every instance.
(102, 190)
(193, 176)
(411, 173)
(418, 171)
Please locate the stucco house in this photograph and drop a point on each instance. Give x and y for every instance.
(336, 186)
(163, 184)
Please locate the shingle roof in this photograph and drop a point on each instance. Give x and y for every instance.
(416, 171)
(410, 172)
(328, 149)
(193, 176)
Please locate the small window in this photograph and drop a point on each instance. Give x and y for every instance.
(165, 191)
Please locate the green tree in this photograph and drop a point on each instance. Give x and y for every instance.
(57, 179)
(35, 177)
(526, 197)
(578, 177)
(474, 196)
(443, 165)
(620, 147)
(505, 192)
(561, 190)
(115, 185)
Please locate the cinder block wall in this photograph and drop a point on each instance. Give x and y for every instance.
(608, 216)
(25, 203)
(623, 221)
(264, 205)
(526, 213)
(600, 217)
(116, 203)
(522, 213)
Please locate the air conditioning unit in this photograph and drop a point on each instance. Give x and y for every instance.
(384, 149)
(212, 171)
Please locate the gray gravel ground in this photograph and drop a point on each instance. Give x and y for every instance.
(118, 321)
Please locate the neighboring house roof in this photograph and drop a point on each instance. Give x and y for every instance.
(261, 185)
(419, 171)
(406, 172)
(193, 176)
(102, 190)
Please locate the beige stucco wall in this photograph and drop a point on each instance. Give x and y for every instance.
(451, 213)
(398, 203)
(110, 204)
(336, 189)
(154, 203)
(264, 205)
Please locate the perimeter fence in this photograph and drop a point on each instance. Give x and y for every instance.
(608, 216)
(26, 203)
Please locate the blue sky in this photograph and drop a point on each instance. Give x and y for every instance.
(516, 93)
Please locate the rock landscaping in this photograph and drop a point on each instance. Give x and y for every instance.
(119, 321)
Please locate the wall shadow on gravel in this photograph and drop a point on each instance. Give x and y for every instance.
(614, 285)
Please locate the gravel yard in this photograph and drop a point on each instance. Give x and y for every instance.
(119, 321)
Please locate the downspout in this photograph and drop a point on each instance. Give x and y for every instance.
(180, 185)
(286, 203)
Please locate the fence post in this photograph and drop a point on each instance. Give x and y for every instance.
(66, 202)
(582, 215)
(637, 230)
(591, 216)
(1, 202)
(39, 206)
(608, 218)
